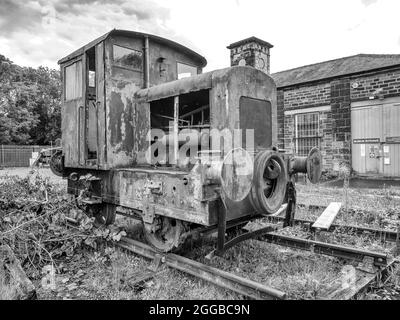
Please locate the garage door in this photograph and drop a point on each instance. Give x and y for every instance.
(376, 137)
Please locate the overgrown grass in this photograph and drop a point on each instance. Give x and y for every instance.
(376, 208)
(83, 273)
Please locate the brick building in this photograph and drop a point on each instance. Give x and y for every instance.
(348, 107)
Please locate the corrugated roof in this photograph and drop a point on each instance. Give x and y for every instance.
(335, 68)
(128, 33)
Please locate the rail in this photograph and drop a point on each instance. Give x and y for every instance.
(384, 234)
(330, 249)
(216, 276)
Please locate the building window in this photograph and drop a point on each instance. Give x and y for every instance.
(185, 70)
(127, 58)
(73, 81)
(306, 132)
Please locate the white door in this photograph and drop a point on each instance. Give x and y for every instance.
(391, 147)
(375, 129)
(366, 132)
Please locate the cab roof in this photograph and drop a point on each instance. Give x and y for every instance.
(134, 34)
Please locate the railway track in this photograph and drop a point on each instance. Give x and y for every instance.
(361, 281)
(332, 198)
(371, 265)
(375, 265)
(242, 286)
(382, 234)
(223, 279)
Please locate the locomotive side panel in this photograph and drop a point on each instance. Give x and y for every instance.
(168, 193)
(128, 121)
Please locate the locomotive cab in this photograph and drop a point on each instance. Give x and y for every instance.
(143, 129)
(99, 81)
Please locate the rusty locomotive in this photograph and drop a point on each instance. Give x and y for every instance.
(123, 91)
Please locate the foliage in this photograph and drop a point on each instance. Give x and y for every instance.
(33, 221)
(29, 104)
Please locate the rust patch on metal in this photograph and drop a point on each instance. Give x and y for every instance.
(115, 118)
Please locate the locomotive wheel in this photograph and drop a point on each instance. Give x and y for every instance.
(164, 234)
(104, 213)
(57, 163)
(269, 183)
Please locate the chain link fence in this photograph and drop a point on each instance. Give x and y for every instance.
(18, 156)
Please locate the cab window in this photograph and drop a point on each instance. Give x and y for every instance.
(127, 58)
(73, 81)
(186, 70)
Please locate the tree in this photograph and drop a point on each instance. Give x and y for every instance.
(48, 106)
(29, 104)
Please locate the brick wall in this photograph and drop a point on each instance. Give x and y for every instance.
(288, 138)
(335, 125)
(309, 96)
(281, 121)
(325, 125)
(341, 122)
(388, 82)
(249, 52)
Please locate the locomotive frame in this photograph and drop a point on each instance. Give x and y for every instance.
(123, 86)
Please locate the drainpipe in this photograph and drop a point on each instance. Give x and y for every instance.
(146, 62)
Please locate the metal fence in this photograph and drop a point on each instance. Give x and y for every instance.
(17, 156)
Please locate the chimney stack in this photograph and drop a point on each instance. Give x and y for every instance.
(252, 52)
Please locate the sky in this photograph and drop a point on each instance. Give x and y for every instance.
(40, 32)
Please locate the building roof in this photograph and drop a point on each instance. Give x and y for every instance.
(335, 68)
(248, 40)
(134, 34)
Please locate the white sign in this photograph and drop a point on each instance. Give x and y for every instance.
(387, 160)
(386, 149)
(362, 150)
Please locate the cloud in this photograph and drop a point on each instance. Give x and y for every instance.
(368, 2)
(40, 32)
(142, 10)
(77, 7)
(16, 15)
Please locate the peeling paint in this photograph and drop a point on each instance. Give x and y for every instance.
(183, 194)
(175, 197)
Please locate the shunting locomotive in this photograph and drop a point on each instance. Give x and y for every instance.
(146, 132)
